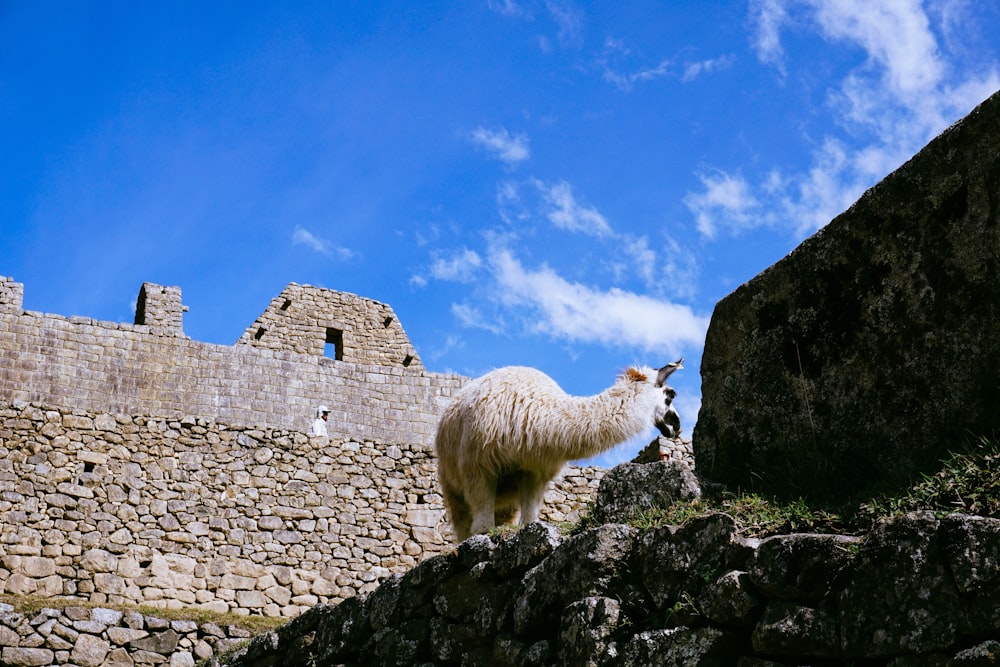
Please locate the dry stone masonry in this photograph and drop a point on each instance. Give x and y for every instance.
(102, 637)
(918, 591)
(139, 467)
(314, 321)
(311, 346)
(190, 513)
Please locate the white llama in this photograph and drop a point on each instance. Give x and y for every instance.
(508, 433)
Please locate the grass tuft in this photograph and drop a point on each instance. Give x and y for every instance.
(967, 482)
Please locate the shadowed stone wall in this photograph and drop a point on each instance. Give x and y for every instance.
(871, 351)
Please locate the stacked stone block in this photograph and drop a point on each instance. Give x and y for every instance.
(11, 295)
(306, 319)
(122, 368)
(160, 308)
(186, 512)
(94, 637)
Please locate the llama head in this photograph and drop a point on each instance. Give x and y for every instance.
(666, 419)
(664, 372)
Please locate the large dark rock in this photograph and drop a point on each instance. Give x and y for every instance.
(870, 351)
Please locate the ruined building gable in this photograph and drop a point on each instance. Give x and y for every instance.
(338, 325)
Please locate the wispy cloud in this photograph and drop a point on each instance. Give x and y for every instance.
(625, 81)
(508, 8)
(460, 268)
(302, 236)
(622, 75)
(726, 201)
(504, 146)
(566, 213)
(888, 106)
(769, 16)
(472, 318)
(693, 70)
(569, 23)
(552, 306)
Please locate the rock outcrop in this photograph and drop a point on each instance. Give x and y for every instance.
(918, 591)
(870, 351)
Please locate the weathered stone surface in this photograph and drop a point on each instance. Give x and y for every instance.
(585, 631)
(731, 600)
(26, 657)
(972, 547)
(584, 566)
(525, 549)
(800, 567)
(900, 598)
(856, 361)
(90, 651)
(630, 488)
(675, 562)
(792, 630)
(678, 646)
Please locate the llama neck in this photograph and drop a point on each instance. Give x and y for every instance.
(595, 424)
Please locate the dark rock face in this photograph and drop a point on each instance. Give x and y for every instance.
(629, 488)
(918, 591)
(864, 356)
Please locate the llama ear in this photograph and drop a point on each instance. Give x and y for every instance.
(664, 373)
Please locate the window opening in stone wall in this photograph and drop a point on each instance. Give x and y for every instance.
(334, 344)
(140, 308)
(407, 360)
(286, 304)
(387, 321)
(88, 467)
(260, 333)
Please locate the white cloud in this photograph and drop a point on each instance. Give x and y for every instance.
(473, 318)
(509, 204)
(460, 268)
(565, 213)
(886, 109)
(569, 25)
(625, 81)
(508, 8)
(896, 36)
(769, 16)
(727, 201)
(302, 236)
(693, 70)
(576, 313)
(509, 149)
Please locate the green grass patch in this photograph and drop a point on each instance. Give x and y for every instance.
(967, 482)
(32, 604)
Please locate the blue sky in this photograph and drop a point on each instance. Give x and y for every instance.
(565, 185)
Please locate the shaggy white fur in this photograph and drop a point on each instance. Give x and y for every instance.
(508, 433)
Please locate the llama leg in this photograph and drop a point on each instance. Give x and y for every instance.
(458, 511)
(480, 492)
(532, 493)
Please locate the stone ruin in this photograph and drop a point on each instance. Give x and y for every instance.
(851, 365)
(311, 346)
(872, 351)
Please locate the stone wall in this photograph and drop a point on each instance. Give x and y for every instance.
(102, 637)
(307, 320)
(378, 391)
(187, 512)
(919, 590)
